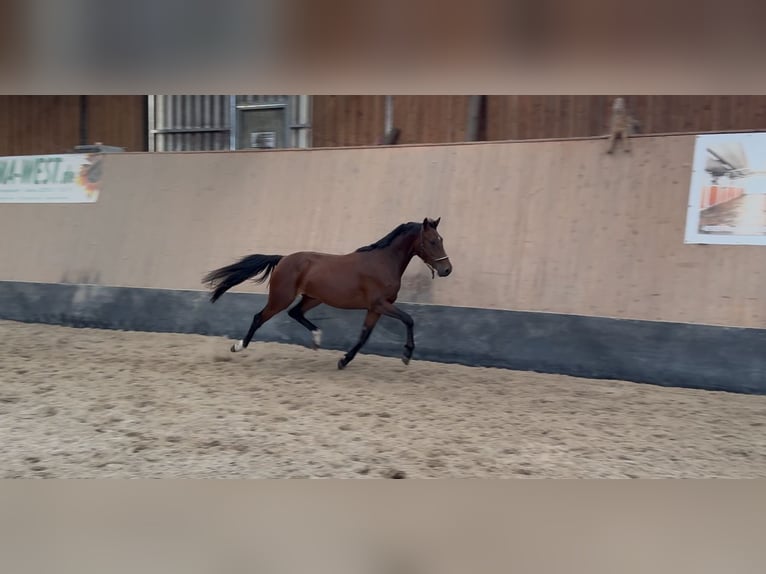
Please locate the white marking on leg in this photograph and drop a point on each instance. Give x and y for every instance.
(238, 346)
(317, 336)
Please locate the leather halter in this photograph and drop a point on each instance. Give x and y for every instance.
(423, 250)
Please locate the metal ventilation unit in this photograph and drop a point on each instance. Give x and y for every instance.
(263, 140)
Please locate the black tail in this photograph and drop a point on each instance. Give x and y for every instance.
(223, 279)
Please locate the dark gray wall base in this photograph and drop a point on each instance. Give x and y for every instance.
(670, 354)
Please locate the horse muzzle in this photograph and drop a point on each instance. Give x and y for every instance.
(443, 268)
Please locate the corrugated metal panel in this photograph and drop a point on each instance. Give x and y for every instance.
(197, 123)
(189, 123)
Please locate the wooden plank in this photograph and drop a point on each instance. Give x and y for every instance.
(39, 124)
(117, 120)
(545, 226)
(722, 112)
(441, 119)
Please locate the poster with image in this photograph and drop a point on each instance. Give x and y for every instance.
(727, 195)
(65, 178)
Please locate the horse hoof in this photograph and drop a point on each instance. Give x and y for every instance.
(406, 360)
(342, 364)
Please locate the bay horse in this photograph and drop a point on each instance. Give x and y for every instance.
(368, 278)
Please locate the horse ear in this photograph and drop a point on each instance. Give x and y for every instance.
(426, 223)
(436, 223)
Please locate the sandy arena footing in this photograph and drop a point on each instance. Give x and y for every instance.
(87, 403)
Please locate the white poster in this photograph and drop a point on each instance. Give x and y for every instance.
(66, 178)
(727, 195)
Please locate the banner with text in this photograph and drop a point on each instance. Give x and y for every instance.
(727, 195)
(65, 178)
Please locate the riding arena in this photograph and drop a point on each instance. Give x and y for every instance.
(485, 309)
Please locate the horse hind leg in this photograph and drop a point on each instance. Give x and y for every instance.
(298, 313)
(256, 323)
(279, 300)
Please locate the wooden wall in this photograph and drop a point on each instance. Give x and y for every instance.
(540, 117)
(51, 124)
(118, 120)
(359, 120)
(557, 226)
(38, 124)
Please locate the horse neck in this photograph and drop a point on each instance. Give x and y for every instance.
(402, 250)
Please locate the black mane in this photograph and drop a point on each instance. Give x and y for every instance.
(389, 239)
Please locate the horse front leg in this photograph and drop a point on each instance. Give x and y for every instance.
(370, 321)
(391, 310)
